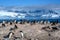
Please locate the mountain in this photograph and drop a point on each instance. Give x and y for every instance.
(30, 13)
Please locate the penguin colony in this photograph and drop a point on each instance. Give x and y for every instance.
(29, 30)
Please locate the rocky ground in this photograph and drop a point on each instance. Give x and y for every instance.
(29, 31)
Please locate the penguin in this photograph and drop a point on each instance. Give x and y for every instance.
(9, 35)
(3, 25)
(10, 23)
(15, 27)
(54, 28)
(22, 34)
(46, 27)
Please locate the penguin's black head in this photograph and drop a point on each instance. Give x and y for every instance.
(21, 31)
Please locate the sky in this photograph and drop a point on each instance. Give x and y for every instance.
(27, 2)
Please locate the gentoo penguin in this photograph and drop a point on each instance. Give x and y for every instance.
(10, 34)
(3, 25)
(15, 27)
(10, 23)
(22, 34)
(54, 28)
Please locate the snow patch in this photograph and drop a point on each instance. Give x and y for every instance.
(12, 14)
(55, 16)
(4, 13)
(50, 15)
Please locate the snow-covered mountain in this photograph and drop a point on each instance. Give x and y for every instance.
(28, 13)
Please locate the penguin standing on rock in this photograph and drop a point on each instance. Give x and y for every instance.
(15, 27)
(10, 23)
(10, 35)
(3, 25)
(22, 34)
